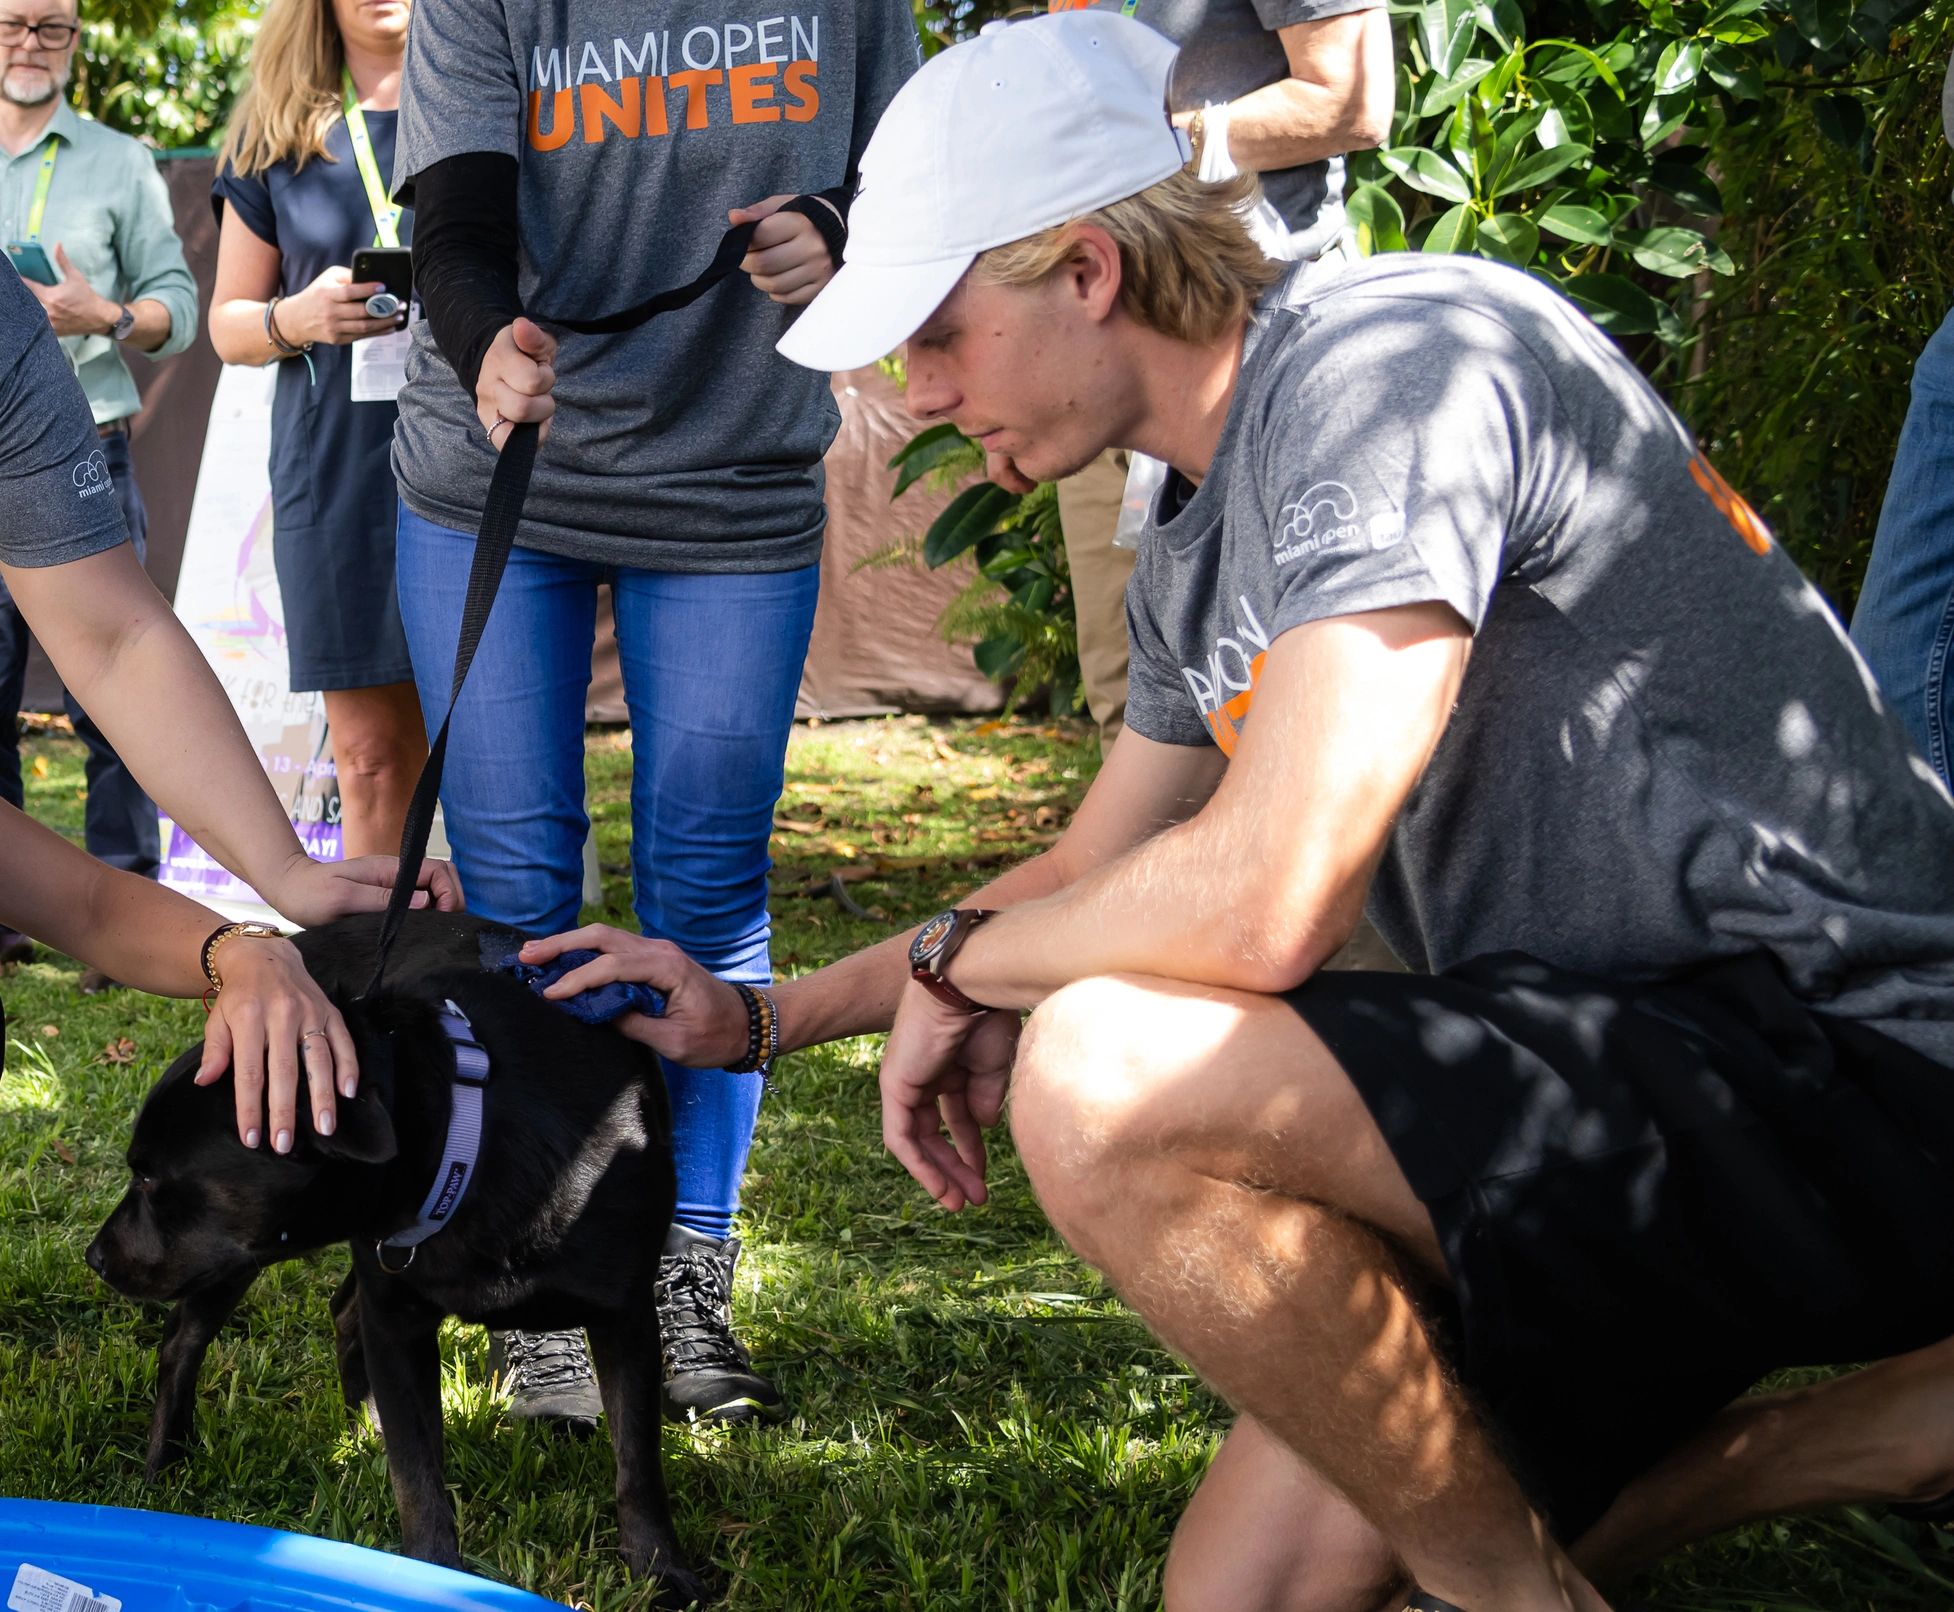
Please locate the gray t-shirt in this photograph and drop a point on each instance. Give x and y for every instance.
(57, 502)
(1230, 47)
(1664, 750)
(688, 444)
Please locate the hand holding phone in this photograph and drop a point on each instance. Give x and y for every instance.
(393, 268)
(332, 310)
(32, 260)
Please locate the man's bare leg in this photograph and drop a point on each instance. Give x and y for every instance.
(1203, 1148)
(1882, 1434)
(1264, 1533)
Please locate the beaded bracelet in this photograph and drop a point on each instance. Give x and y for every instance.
(762, 1033)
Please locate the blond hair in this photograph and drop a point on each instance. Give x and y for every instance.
(1188, 266)
(294, 96)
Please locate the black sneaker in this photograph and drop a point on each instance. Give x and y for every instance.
(15, 947)
(708, 1374)
(548, 1378)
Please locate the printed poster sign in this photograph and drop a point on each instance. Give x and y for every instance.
(227, 596)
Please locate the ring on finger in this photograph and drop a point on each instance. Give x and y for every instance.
(309, 1034)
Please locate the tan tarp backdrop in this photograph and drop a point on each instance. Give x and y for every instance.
(875, 647)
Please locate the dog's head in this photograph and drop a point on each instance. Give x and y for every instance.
(201, 1206)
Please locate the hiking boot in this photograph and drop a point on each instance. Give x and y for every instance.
(708, 1375)
(548, 1378)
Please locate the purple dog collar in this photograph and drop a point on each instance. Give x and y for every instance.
(459, 1151)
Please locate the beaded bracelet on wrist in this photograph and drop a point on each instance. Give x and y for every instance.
(762, 1033)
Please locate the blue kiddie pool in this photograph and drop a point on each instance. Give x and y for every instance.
(66, 1558)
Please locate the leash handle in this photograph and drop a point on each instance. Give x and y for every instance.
(502, 515)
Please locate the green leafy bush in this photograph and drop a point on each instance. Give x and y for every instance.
(1797, 370)
(1017, 610)
(163, 70)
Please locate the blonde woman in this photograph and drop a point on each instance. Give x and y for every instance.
(301, 187)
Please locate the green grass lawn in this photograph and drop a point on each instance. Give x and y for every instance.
(978, 1423)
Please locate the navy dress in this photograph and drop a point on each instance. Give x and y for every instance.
(332, 489)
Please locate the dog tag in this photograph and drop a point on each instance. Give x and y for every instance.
(37, 1590)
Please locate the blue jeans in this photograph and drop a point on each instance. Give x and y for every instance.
(1904, 622)
(711, 667)
(119, 824)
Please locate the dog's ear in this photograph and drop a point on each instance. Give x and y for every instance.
(364, 1132)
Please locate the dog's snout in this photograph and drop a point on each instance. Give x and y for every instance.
(95, 1257)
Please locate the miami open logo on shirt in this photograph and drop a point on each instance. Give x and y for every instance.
(92, 475)
(1325, 520)
(762, 71)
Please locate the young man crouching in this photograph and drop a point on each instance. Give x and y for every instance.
(1442, 616)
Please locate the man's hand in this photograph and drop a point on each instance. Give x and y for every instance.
(705, 1024)
(788, 259)
(332, 310)
(313, 893)
(944, 1069)
(517, 375)
(265, 1025)
(73, 307)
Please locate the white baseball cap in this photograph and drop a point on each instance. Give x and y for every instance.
(1028, 125)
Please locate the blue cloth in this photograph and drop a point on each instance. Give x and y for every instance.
(1904, 622)
(119, 824)
(711, 667)
(599, 1005)
(332, 485)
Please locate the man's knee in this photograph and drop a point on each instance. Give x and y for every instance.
(1263, 1534)
(1087, 1099)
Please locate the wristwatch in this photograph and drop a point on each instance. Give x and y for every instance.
(124, 323)
(227, 932)
(935, 944)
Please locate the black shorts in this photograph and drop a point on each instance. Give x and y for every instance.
(1649, 1195)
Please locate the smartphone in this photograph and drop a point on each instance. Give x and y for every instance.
(393, 266)
(31, 258)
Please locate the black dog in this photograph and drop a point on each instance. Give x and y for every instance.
(559, 1226)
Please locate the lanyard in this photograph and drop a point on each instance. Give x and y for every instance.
(38, 209)
(385, 215)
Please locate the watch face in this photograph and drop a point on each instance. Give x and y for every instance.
(930, 938)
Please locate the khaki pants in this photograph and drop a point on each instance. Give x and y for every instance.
(1088, 509)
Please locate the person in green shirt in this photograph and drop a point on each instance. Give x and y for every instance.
(87, 221)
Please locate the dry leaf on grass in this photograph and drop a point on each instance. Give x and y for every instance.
(50, 1030)
(63, 1152)
(120, 1050)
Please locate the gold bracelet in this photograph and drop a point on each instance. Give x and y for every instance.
(225, 932)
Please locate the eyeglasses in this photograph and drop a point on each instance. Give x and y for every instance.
(48, 35)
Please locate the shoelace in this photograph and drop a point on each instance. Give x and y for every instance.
(694, 1325)
(544, 1360)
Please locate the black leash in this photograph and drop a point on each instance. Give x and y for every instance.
(502, 515)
